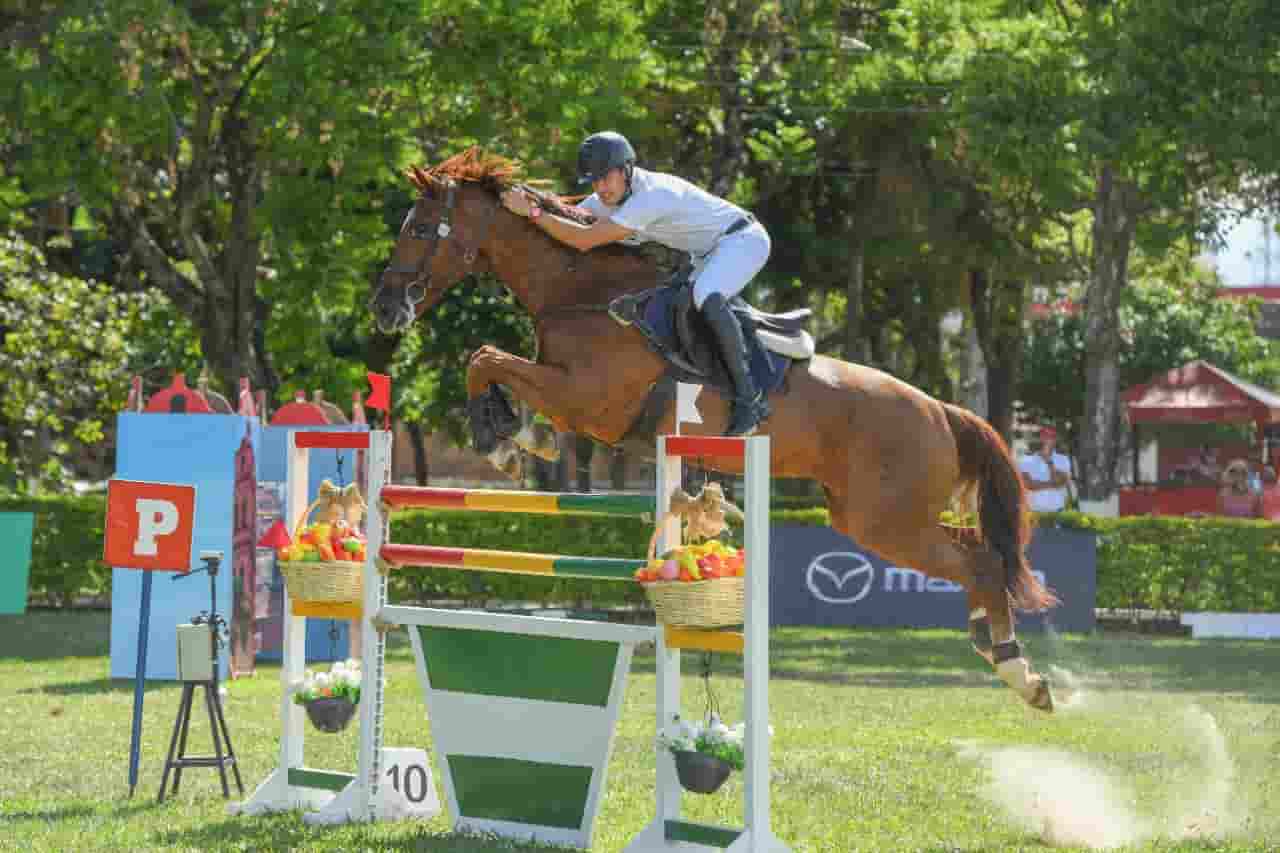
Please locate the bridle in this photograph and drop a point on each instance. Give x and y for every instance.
(416, 290)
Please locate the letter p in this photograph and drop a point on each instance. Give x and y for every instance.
(155, 518)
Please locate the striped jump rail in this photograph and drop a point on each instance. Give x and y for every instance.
(510, 500)
(396, 555)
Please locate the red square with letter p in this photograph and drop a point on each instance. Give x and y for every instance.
(149, 525)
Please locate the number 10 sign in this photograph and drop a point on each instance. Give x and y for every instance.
(406, 789)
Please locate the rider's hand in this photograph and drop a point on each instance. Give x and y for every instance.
(517, 202)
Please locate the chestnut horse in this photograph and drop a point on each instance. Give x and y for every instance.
(889, 457)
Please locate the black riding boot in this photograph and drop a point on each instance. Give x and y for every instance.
(749, 406)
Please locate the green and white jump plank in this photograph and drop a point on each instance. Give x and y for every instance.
(522, 712)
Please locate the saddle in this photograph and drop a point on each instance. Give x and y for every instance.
(676, 331)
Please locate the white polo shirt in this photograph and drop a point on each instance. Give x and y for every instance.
(1034, 466)
(669, 210)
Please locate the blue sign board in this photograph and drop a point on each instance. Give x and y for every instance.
(820, 578)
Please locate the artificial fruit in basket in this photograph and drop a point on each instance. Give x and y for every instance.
(704, 561)
(688, 563)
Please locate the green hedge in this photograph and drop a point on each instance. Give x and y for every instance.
(66, 547)
(544, 534)
(1173, 564)
(1183, 564)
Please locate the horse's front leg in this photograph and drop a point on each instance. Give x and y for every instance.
(493, 421)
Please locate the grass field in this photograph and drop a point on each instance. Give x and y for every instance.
(884, 741)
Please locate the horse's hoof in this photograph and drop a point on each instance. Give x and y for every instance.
(539, 440)
(506, 458)
(1042, 698)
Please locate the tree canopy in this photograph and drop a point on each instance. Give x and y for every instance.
(234, 169)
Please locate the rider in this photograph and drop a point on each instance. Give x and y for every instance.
(726, 243)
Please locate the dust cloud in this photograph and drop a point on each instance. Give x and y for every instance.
(1070, 800)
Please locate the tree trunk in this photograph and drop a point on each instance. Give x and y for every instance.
(1114, 223)
(421, 468)
(233, 331)
(997, 319)
(583, 450)
(855, 347)
(544, 474)
(618, 470)
(973, 384)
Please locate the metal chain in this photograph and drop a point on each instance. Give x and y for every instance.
(713, 704)
(375, 679)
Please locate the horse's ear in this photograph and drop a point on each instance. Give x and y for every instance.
(419, 178)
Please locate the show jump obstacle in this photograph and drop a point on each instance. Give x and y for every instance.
(523, 709)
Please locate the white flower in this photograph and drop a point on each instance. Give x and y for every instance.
(322, 679)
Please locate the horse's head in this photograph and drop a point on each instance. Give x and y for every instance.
(440, 241)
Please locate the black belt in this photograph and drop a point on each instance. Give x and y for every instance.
(738, 224)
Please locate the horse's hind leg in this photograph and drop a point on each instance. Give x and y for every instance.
(981, 572)
(991, 629)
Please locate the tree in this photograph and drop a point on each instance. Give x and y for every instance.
(1105, 107)
(200, 137)
(66, 350)
(1170, 316)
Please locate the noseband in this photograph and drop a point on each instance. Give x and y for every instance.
(416, 290)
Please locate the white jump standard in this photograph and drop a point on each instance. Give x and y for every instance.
(523, 709)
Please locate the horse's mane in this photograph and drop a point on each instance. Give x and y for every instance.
(496, 173)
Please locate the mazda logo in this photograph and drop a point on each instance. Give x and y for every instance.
(847, 575)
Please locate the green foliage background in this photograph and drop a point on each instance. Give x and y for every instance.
(234, 169)
(1168, 564)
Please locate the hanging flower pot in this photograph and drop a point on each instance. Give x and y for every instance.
(331, 715)
(700, 773)
(330, 697)
(705, 752)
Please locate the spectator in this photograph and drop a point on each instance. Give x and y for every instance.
(1270, 494)
(1205, 464)
(1235, 498)
(1047, 474)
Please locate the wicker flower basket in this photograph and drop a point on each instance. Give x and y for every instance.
(328, 581)
(323, 581)
(715, 603)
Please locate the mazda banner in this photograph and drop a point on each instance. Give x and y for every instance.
(821, 578)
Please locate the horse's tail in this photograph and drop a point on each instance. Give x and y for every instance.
(987, 465)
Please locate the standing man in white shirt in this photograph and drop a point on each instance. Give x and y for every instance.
(726, 243)
(1047, 474)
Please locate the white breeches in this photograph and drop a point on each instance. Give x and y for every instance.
(731, 265)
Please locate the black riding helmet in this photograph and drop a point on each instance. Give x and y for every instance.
(601, 152)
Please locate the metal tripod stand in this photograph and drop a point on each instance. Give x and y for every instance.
(178, 758)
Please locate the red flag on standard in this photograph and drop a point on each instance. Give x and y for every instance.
(380, 392)
(276, 537)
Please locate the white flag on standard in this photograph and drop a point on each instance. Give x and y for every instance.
(687, 404)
